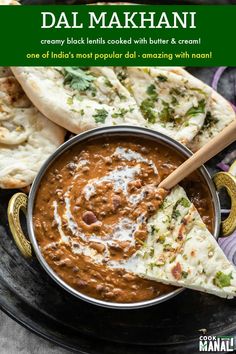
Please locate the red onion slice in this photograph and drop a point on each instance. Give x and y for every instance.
(223, 166)
(217, 76)
(228, 245)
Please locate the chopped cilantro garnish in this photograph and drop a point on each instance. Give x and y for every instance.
(76, 78)
(167, 247)
(161, 239)
(174, 100)
(152, 265)
(162, 78)
(146, 107)
(172, 259)
(122, 75)
(153, 229)
(175, 214)
(209, 120)
(93, 91)
(108, 83)
(70, 101)
(120, 113)
(151, 252)
(184, 202)
(151, 91)
(166, 114)
(222, 280)
(184, 274)
(100, 116)
(193, 111)
(175, 91)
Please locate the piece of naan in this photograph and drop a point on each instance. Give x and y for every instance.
(181, 251)
(27, 138)
(9, 2)
(171, 104)
(220, 114)
(79, 99)
(5, 71)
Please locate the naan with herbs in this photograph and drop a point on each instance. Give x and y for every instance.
(171, 104)
(180, 250)
(219, 115)
(79, 99)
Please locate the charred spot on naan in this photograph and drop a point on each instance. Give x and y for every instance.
(13, 93)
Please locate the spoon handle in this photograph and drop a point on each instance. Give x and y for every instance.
(213, 147)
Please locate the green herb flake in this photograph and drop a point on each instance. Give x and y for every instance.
(210, 120)
(153, 229)
(175, 91)
(176, 214)
(146, 107)
(151, 253)
(161, 239)
(100, 116)
(162, 78)
(166, 114)
(167, 247)
(172, 259)
(93, 91)
(174, 101)
(184, 274)
(122, 97)
(184, 202)
(70, 101)
(152, 265)
(120, 113)
(151, 91)
(77, 78)
(222, 280)
(122, 75)
(108, 82)
(193, 111)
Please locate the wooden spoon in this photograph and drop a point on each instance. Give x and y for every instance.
(213, 147)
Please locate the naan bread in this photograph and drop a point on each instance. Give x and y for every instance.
(181, 251)
(219, 115)
(171, 104)
(78, 99)
(27, 138)
(5, 71)
(9, 2)
(168, 100)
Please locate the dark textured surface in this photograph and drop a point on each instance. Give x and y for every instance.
(30, 296)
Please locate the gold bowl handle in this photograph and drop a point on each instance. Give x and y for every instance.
(228, 181)
(17, 203)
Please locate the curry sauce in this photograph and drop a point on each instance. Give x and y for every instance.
(91, 212)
